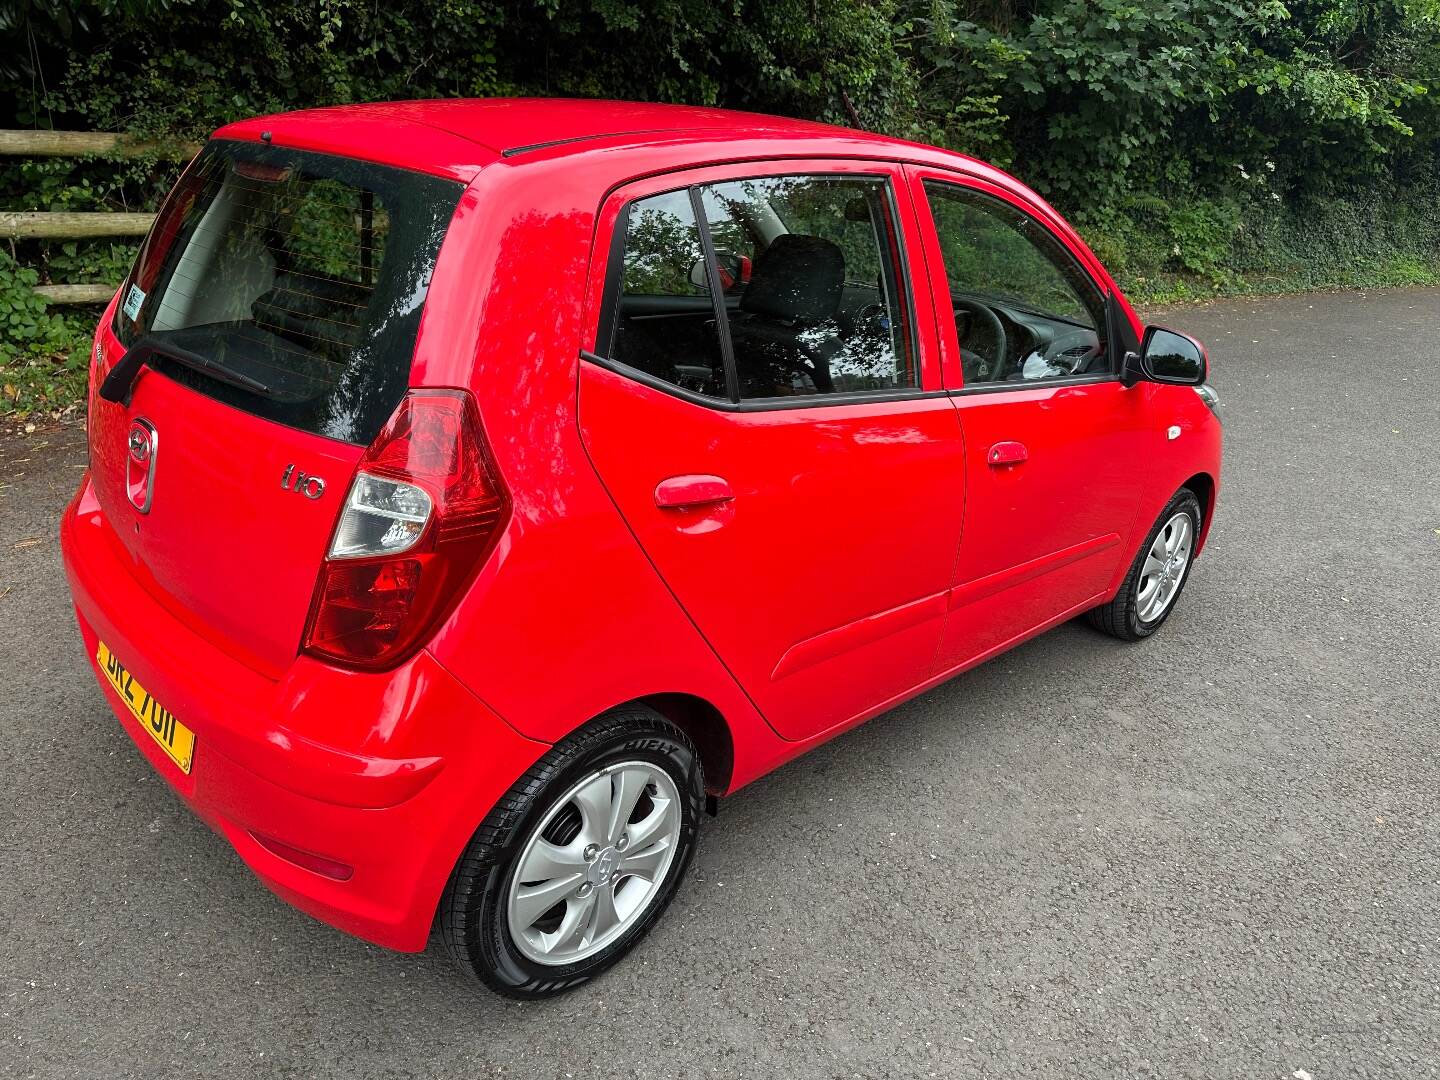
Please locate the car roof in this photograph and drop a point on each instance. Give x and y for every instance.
(459, 136)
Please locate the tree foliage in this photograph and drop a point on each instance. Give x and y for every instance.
(1090, 99)
(1198, 143)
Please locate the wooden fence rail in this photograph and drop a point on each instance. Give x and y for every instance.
(81, 226)
(66, 226)
(91, 144)
(75, 294)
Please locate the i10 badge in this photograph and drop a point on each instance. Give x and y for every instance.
(141, 447)
(312, 487)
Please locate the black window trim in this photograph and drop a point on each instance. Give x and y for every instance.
(1048, 383)
(1112, 350)
(717, 294)
(774, 404)
(610, 306)
(610, 298)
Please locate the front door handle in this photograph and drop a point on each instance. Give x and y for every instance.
(685, 492)
(1007, 453)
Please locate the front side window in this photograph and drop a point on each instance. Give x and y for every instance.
(1024, 309)
(806, 273)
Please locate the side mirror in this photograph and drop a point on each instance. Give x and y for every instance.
(1167, 356)
(734, 272)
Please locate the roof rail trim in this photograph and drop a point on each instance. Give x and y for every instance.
(515, 151)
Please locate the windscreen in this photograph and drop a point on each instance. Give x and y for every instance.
(299, 278)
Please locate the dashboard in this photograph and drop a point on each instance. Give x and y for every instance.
(1001, 341)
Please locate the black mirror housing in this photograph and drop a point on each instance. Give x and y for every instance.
(1130, 370)
(1167, 356)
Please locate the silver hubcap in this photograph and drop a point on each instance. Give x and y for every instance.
(1165, 567)
(593, 865)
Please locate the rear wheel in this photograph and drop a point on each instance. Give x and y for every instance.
(576, 863)
(1157, 576)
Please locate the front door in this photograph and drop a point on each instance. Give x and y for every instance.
(780, 444)
(1052, 474)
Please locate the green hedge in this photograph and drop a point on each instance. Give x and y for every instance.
(1202, 146)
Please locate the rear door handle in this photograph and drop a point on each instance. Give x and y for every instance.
(1007, 453)
(684, 492)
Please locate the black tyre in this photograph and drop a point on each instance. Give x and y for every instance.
(1157, 577)
(579, 859)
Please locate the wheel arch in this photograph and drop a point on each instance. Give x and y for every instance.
(706, 727)
(1204, 487)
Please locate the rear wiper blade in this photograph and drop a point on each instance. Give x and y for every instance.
(117, 384)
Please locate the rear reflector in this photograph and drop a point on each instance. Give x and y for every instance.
(318, 864)
(425, 488)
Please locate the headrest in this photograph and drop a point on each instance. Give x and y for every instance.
(797, 278)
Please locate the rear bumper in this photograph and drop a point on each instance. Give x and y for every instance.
(388, 774)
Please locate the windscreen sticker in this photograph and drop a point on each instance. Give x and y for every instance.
(133, 301)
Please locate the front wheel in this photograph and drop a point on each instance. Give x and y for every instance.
(577, 862)
(1158, 575)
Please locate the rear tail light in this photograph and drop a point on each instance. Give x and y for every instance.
(421, 514)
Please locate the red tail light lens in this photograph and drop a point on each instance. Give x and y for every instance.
(421, 514)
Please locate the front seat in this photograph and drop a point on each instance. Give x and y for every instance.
(787, 318)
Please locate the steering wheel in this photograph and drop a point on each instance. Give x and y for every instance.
(818, 343)
(997, 331)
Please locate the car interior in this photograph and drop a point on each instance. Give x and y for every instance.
(1003, 341)
(290, 293)
(270, 255)
(801, 318)
(819, 314)
(1023, 309)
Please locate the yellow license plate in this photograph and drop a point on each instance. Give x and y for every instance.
(174, 738)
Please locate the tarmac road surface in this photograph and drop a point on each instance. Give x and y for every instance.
(1214, 854)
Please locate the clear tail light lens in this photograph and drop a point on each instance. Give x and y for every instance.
(381, 516)
(421, 514)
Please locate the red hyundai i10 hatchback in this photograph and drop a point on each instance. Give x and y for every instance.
(478, 489)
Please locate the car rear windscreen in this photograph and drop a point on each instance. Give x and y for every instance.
(298, 277)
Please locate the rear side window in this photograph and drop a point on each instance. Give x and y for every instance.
(666, 325)
(807, 279)
(302, 274)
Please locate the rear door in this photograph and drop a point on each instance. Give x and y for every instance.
(782, 450)
(298, 280)
(1054, 461)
